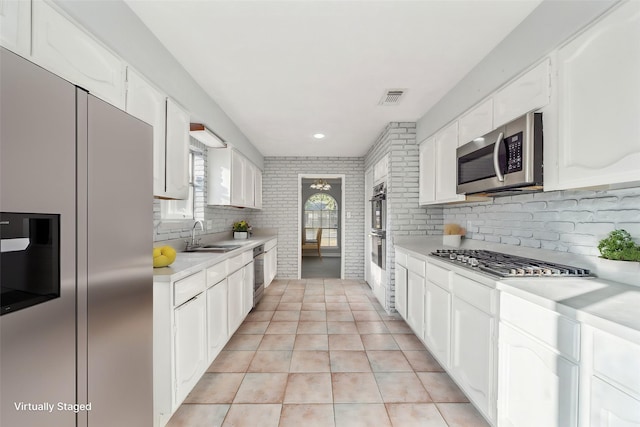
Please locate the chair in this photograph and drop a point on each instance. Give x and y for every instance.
(314, 244)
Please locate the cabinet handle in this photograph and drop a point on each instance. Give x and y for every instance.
(496, 161)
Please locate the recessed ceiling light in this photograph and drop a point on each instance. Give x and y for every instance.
(319, 135)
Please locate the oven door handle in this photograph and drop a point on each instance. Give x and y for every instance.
(496, 160)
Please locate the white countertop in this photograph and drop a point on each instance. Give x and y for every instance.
(187, 263)
(602, 303)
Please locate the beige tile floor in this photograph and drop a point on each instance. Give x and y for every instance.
(323, 352)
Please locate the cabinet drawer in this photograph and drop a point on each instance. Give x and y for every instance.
(235, 263)
(559, 332)
(187, 288)
(247, 257)
(270, 244)
(474, 293)
(401, 258)
(617, 360)
(416, 265)
(216, 273)
(438, 275)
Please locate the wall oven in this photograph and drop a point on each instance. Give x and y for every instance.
(506, 161)
(29, 260)
(378, 225)
(379, 208)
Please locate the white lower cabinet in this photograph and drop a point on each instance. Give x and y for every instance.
(537, 386)
(611, 407)
(217, 327)
(235, 302)
(190, 346)
(437, 322)
(401, 290)
(472, 353)
(415, 303)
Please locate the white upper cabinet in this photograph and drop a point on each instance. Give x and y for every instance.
(380, 170)
(233, 180)
(476, 122)
(427, 178)
(66, 50)
(599, 103)
(526, 93)
(177, 152)
(15, 26)
(446, 179)
(149, 104)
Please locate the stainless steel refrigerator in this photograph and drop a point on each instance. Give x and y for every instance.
(76, 204)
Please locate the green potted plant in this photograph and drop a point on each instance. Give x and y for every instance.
(241, 230)
(619, 246)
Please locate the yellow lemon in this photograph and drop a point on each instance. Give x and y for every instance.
(163, 256)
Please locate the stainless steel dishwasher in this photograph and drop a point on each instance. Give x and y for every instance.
(258, 270)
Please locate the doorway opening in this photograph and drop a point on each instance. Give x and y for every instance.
(321, 226)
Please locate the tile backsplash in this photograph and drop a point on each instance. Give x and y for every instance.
(566, 221)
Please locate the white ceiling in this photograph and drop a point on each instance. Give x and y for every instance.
(284, 70)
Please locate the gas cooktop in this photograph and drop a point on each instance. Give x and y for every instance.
(504, 265)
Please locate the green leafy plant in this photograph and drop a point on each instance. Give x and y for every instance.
(619, 245)
(241, 226)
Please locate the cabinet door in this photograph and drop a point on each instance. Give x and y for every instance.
(527, 93)
(611, 407)
(190, 346)
(177, 149)
(437, 322)
(446, 164)
(236, 303)
(472, 353)
(401, 290)
(599, 102)
(249, 182)
(537, 387)
(237, 179)
(415, 303)
(217, 328)
(15, 26)
(66, 50)
(258, 189)
(148, 104)
(476, 122)
(247, 291)
(274, 263)
(427, 180)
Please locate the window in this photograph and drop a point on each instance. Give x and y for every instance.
(188, 209)
(321, 211)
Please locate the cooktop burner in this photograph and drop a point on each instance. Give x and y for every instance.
(504, 265)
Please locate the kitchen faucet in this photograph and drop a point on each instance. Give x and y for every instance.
(193, 243)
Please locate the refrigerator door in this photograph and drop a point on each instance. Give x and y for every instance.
(38, 175)
(119, 270)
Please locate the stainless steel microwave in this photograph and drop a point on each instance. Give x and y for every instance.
(504, 162)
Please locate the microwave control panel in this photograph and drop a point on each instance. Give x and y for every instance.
(513, 144)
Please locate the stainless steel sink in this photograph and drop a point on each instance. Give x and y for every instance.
(214, 248)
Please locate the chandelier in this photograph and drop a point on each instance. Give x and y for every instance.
(321, 184)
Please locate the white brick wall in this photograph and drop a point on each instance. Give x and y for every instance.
(404, 215)
(280, 208)
(565, 221)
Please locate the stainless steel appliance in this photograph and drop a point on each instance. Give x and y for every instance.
(378, 224)
(258, 274)
(504, 265)
(379, 249)
(67, 154)
(504, 162)
(379, 208)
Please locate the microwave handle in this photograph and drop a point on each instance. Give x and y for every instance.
(496, 162)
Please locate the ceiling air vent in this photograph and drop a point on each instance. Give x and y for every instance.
(392, 97)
